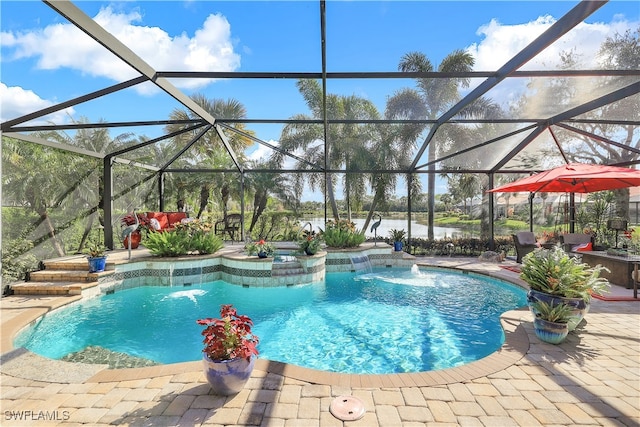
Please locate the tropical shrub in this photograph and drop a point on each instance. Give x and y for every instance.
(559, 313)
(554, 272)
(195, 237)
(342, 234)
(17, 260)
(254, 248)
(309, 242)
(170, 243)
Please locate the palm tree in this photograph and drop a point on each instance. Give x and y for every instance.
(264, 184)
(394, 147)
(437, 96)
(347, 145)
(209, 150)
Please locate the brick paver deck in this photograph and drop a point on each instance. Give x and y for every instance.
(593, 378)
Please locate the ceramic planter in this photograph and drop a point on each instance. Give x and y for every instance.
(579, 307)
(227, 377)
(551, 332)
(97, 264)
(397, 246)
(262, 254)
(136, 237)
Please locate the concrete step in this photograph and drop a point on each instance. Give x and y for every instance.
(289, 268)
(50, 288)
(80, 264)
(67, 275)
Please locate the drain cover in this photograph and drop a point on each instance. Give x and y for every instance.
(347, 408)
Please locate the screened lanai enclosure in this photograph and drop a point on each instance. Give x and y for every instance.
(282, 111)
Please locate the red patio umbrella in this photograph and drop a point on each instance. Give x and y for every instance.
(574, 178)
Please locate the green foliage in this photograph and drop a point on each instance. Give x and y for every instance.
(206, 243)
(169, 243)
(554, 272)
(196, 237)
(342, 234)
(309, 241)
(274, 226)
(95, 249)
(397, 235)
(253, 248)
(560, 313)
(16, 259)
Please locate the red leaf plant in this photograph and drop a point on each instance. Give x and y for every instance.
(230, 336)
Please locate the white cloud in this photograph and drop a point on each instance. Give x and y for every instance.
(65, 46)
(16, 101)
(501, 42)
(261, 152)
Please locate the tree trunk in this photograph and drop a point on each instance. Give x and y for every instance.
(204, 200)
(225, 193)
(51, 232)
(259, 205)
(85, 234)
(332, 198)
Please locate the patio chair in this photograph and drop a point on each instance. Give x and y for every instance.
(525, 242)
(230, 225)
(572, 242)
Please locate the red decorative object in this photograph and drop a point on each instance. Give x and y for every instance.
(136, 237)
(575, 178)
(229, 336)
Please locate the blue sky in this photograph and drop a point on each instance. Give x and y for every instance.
(45, 60)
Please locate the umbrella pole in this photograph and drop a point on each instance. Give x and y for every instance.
(572, 212)
(531, 196)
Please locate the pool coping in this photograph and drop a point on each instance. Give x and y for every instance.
(513, 349)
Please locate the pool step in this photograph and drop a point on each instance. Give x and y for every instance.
(67, 275)
(50, 288)
(62, 276)
(289, 268)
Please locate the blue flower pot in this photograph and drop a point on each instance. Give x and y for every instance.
(262, 254)
(579, 307)
(227, 377)
(397, 246)
(97, 264)
(551, 332)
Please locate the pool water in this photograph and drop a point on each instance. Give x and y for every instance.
(386, 321)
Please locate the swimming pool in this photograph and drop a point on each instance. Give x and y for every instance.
(386, 321)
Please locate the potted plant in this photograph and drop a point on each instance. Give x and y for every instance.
(555, 277)
(309, 242)
(260, 248)
(96, 257)
(551, 322)
(398, 237)
(230, 350)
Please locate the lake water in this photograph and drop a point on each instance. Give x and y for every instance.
(417, 230)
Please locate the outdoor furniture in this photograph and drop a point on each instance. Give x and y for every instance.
(572, 241)
(620, 267)
(165, 221)
(525, 242)
(229, 225)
